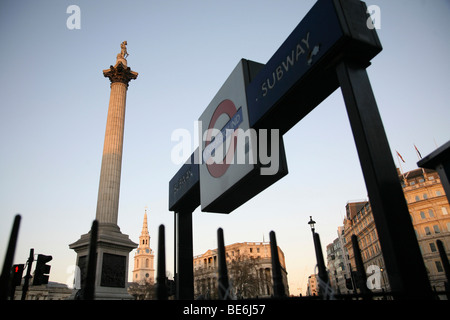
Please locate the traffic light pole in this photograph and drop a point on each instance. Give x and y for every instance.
(28, 275)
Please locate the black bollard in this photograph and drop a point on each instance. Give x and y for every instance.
(224, 287)
(323, 274)
(89, 289)
(161, 284)
(361, 273)
(7, 264)
(278, 286)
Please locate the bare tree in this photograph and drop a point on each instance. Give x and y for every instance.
(244, 275)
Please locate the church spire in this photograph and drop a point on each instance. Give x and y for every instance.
(144, 225)
(144, 239)
(144, 257)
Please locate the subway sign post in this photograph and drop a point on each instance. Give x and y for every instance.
(330, 48)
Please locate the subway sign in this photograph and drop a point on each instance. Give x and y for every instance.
(301, 73)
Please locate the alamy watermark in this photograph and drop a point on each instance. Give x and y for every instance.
(374, 19)
(73, 281)
(74, 20)
(229, 146)
(374, 280)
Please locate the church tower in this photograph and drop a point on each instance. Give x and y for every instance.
(144, 270)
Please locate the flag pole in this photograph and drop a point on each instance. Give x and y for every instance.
(420, 157)
(400, 165)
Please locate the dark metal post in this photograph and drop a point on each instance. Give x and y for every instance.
(9, 257)
(278, 286)
(407, 273)
(28, 275)
(323, 274)
(445, 264)
(175, 265)
(161, 283)
(361, 273)
(89, 289)
(185, 252)
(352, 278)
(224, 286)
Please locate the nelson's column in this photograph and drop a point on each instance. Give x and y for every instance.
(113, 247)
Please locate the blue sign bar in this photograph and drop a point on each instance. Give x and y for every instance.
(329, 32)
(184, 187)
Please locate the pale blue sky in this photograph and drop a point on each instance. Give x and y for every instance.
(55, 100)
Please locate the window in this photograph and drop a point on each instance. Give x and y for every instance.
(427, 231)
(436, 229)
(439, 266)
(432, 247)
(438, 193)
(444, 211)
(448, 226)
(431, 213)
(422, 214)
(425, 196)
(417, 198)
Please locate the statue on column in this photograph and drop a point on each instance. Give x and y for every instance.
(121, 57)
(123, 51)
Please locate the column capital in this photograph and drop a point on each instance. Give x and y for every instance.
(120, 73)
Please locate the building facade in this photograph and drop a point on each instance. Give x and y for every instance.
(313, 287)
(338, 264)
(359, 221)
(429, 209)
(249, 268)
(144, 271)
(50, 291)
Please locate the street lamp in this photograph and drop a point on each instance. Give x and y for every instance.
(311, 224)
(323, 274)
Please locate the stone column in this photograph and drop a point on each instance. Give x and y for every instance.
(109, 187)
(113, 247)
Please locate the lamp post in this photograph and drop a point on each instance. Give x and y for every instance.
(323, 275)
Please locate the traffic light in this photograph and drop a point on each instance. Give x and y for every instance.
(17, 271)
(42, 270)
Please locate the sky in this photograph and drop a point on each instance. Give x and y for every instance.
(55, 102)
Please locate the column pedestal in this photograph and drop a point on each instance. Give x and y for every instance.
(113, 248)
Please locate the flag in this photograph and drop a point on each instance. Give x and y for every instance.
(418, 152)
(400, 156)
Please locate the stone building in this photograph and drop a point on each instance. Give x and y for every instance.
(249, 267)
(50, 291)
(313, 286)
(338, 264)
(359, 221)
(429, 210)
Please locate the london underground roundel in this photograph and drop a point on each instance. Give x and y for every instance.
(227, 108)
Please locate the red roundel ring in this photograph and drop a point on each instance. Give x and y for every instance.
(225, 107)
